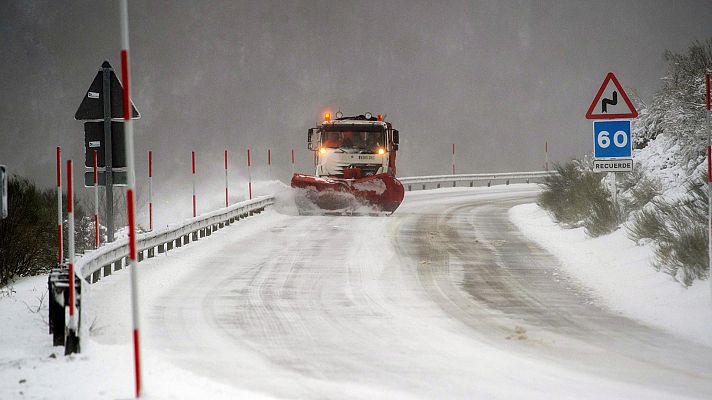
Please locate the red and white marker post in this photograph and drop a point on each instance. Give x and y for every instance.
(227, 202)
(131, 211)
(453, 158)
(269, 163)
(70, 221)
(192, 158)
(292, 161)
(96, 201)
(709, 175)
(60, 232)
(546, 155)
(150, 190)
(249, 175)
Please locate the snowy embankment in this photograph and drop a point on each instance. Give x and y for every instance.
(621, 275)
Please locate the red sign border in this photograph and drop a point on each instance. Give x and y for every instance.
(611, 77)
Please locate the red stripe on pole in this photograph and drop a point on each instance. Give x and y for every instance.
(132, 224)
(250, 189)
(709, 164)
(226, 159)
(150, 163)
(292, 156)
(70, 190)
(707, 84)
(248, 157)
(127, 87)
(137, 363)
(269, 156)
(59, 167)
(192, 156)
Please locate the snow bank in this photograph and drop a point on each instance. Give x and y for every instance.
(620, 273)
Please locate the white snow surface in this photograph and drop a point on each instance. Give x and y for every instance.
(397, 324)
(620, 274)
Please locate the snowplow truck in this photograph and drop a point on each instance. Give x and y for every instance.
(355, 162)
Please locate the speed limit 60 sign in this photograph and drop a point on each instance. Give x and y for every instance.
(611, 139)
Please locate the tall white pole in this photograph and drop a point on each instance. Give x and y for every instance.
(133, 262)
(60, 232)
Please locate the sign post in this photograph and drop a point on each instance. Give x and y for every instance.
(612, 141)
(96, 201)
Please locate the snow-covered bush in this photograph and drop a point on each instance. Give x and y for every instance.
(678, 233)
(577, 197)
(27, 235)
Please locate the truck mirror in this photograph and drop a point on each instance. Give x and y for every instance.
(396, 139)
(3, 192)
(310, 146)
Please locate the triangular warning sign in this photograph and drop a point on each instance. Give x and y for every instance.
(92, 107)
(607, 104)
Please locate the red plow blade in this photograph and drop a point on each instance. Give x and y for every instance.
(382, 192)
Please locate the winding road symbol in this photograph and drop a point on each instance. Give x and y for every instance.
(626, 110)
(605, 102)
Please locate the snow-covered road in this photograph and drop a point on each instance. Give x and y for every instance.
(444, 299)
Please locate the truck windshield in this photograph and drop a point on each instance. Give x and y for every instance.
(356, 140)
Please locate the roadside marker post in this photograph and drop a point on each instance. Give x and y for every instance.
(96, 202)
(709, 178)
(227, 203)
(546, 155)
(269, 163)
(60, 232)
(3, 192)
(453, 158)
(150, 190)
(292, 161)
(192, 159)
(125, 74)
(72, 344)
(249, 175)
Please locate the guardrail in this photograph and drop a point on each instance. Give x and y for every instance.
(94, 265)
(506, 177)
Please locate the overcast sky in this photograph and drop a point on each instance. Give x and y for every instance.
(498, 78)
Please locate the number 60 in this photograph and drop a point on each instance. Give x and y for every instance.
(620, 139)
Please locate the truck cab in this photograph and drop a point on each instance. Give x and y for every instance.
(354, 147)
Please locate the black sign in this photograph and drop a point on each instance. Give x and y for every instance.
(92, 107)
(120, 178)
(94, 140)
